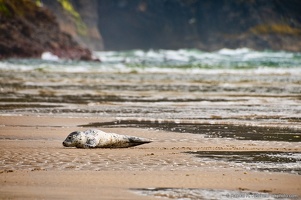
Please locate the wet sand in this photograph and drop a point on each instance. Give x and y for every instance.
(34, 164)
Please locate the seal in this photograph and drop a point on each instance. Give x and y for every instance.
(94, 138)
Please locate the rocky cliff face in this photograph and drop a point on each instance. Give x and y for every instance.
(78, 18)
(27, 30)
(203, 24)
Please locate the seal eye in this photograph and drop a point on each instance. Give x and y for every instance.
(70, 137)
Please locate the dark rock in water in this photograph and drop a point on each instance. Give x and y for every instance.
(27, 30)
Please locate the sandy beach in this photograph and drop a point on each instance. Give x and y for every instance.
(218, 95)
(214, 88)
(35, 165)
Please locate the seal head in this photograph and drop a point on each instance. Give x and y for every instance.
(74, 139)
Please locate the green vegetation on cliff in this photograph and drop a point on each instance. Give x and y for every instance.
(10, 8)
(275, 29)
(3, 8)
(80, 25)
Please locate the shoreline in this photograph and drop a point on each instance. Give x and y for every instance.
(34, 164)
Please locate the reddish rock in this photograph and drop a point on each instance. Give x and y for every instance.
(27, 30)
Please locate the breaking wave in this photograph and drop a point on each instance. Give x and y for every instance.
(165, 61)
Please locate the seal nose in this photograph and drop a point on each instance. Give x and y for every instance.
(64, 144)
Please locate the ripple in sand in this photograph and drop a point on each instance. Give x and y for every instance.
(89, 160)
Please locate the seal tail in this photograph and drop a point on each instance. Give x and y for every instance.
(135, 141)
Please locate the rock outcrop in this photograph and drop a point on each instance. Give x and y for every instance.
(27, 30)
(78, 18)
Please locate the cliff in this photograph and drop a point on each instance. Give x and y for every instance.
(27, 30)
(78, 18)
(172, 24)
(203, 24)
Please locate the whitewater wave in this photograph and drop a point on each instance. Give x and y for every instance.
(166, 61)
(49, 56)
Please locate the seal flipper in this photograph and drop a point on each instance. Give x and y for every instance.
(90, 143)
(135, 141)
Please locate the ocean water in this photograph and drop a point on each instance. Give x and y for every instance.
(168, 61)
(238, 94)
(239, 86)
(236, 87)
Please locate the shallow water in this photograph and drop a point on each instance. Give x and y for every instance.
(209, 194)
(269, 161)
(250, 99)
(239, 94)
(239, 132)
